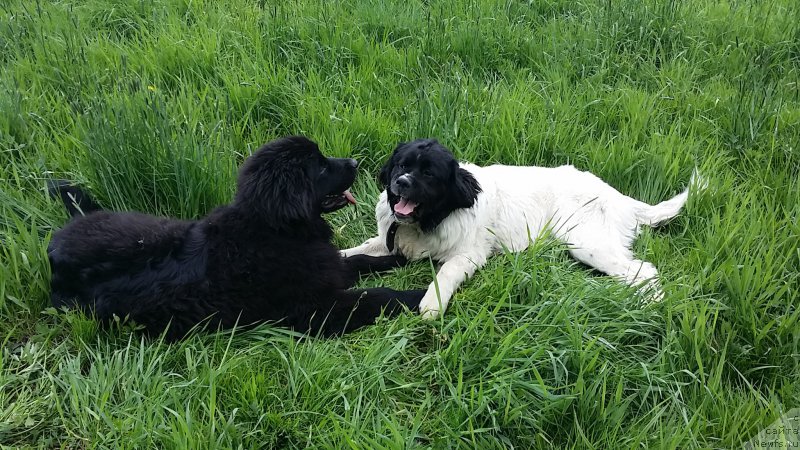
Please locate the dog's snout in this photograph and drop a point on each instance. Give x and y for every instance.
(349, 163)
(403, 182)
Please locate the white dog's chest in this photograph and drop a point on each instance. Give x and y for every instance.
(447, 241)
(413, 244)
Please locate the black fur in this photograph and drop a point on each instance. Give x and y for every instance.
(435, 181)
(265, 257)
(75, 200)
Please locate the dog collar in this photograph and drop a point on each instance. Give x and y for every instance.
(390, 236)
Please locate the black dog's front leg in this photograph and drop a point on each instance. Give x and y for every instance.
(358, 265)
(359, 307)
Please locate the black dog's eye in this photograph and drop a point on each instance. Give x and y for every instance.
(427, 173)
(402, 166)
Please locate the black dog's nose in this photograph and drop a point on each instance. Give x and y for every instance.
(403, 182)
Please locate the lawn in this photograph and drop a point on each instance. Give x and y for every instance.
(152, 104)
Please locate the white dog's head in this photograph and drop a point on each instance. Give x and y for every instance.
(425, 184)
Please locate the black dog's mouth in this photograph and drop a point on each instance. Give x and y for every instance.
(404, 208)
(334, 202)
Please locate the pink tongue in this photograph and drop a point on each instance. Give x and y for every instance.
(404, 207)
(349, 197)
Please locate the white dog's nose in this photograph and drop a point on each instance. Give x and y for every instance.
(404, 181)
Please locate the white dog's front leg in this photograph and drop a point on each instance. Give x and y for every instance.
(371, 247)
(453, 272)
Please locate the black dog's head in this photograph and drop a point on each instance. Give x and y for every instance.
(425, 184)
(289, 180)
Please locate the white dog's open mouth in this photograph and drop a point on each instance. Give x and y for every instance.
(404, 207)
(337, 201)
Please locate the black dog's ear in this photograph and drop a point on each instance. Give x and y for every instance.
(277, 188)
(386, 170)
(465, 188)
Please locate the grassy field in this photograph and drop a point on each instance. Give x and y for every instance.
(152, 104)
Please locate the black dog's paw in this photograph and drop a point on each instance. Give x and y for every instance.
(413, 298)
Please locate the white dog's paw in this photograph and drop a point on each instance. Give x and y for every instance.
(429, 314)
(429, 305)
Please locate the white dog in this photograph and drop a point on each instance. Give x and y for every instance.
(460, 214)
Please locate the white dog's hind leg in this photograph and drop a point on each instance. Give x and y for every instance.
(618, 261)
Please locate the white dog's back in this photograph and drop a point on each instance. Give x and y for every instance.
(562, 199)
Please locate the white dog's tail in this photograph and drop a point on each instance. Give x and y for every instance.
(655, 215)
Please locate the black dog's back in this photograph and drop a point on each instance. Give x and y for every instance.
(129, 236)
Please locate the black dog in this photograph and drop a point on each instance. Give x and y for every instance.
(265, 257)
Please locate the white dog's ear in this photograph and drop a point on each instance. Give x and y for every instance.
(465, 189)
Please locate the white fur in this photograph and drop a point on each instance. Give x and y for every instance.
(518, 204)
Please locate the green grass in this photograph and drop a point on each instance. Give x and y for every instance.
(152, 104)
